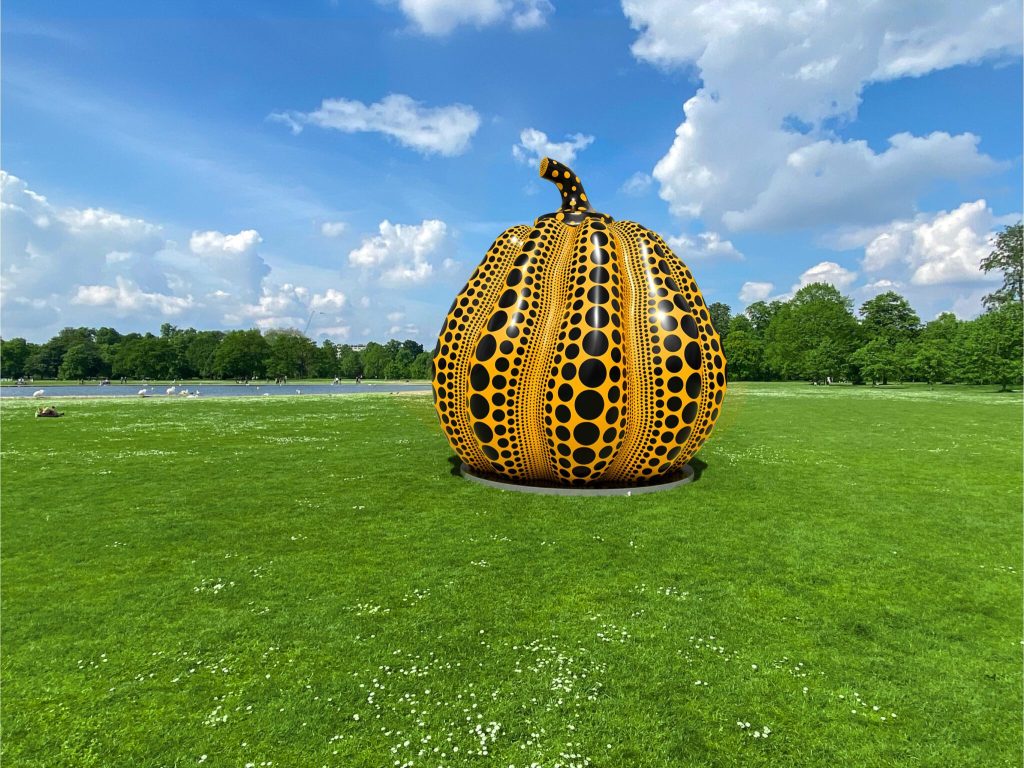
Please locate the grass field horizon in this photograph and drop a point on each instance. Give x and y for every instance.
(301, 581)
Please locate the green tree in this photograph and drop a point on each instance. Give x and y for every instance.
(1008, 257)
(14, 353)
(241, 355)
(144, 357)
(744, 352)
(325, 366)
(990, 347)
(812, 335)
(82, 360)
(422, 366)
(761, 313)
(932, 361)
(875, 359)
(889, 320)
(291, 353)
(201, 353)
(375, 360)
(721, 315)
(350, 362)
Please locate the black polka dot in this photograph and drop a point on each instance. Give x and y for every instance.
(571, 352)
(478, 405)
(479, 378)
(490, 452)
(693, 385)
(674, 364)
(692, 354)
(514, 277)
(565, 393)
(673, 343)
(597, 317)
(598, 294)
(592, 373)
(599, 275)
(505, 347)
(595, 343)
(583, 455)
(508, 298)
(563, 414)
(568, 371)
(681, 302)
(675, 384)
(690, 413)
(563, 434)
(586, 433)
(497, 321)
(483, 432)
(485, 349)
(669, 323)
(612, 416)
(589, 404)
(689, 326)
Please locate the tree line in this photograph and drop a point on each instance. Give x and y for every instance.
(814, 336)
(97, 353)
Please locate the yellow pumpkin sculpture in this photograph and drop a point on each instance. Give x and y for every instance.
(579, 352)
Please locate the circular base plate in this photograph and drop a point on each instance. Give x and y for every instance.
(683, 476)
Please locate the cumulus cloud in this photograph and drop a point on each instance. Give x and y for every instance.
(637, 184)
(778, 75)
(333, 228)
(706, 245)
(126, 298)
(400, 252)
(534, 145)
(440, 17)
(752, 291)
(90, 266)
(937, 249)
(429, 130)
(826, 272)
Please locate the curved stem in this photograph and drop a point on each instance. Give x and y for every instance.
(574, 198)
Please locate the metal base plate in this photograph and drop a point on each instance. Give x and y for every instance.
(682, 477)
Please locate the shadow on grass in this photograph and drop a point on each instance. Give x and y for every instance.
(698, 467)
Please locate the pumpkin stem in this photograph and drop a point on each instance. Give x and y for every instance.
(574, 198)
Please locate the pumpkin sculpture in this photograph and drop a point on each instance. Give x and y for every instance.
(579, 352)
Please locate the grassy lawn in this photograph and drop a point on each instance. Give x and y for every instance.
(303, 582)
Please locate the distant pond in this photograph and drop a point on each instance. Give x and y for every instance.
(210, 390)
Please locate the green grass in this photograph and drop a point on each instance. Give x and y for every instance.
(243, 579)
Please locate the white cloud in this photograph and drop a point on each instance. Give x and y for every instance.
(93, 267)
(778, 75)
(826, 272)
(333, 228)
(707, 245)
(400, 252)
(440, 17)
(330, 300)
(441, 130)
(637, 184)
(534, 145)
(937, 249)
(754, 291)
(214, 243)
(124, 297)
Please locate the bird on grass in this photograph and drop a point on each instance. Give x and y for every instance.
(38, 393)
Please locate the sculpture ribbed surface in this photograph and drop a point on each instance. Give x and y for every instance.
(580, 351)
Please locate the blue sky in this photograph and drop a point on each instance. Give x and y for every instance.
(238, 165)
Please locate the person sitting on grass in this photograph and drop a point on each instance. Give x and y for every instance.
(48, 411)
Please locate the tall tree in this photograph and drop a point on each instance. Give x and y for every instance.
(990, 347)
(889, 320)
(812, 335)
(82, 361)
(721, 314)
(14, 353)
(350, 363)
(744, 351)
(1008, 257)
(761, 314)
(242, 355)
